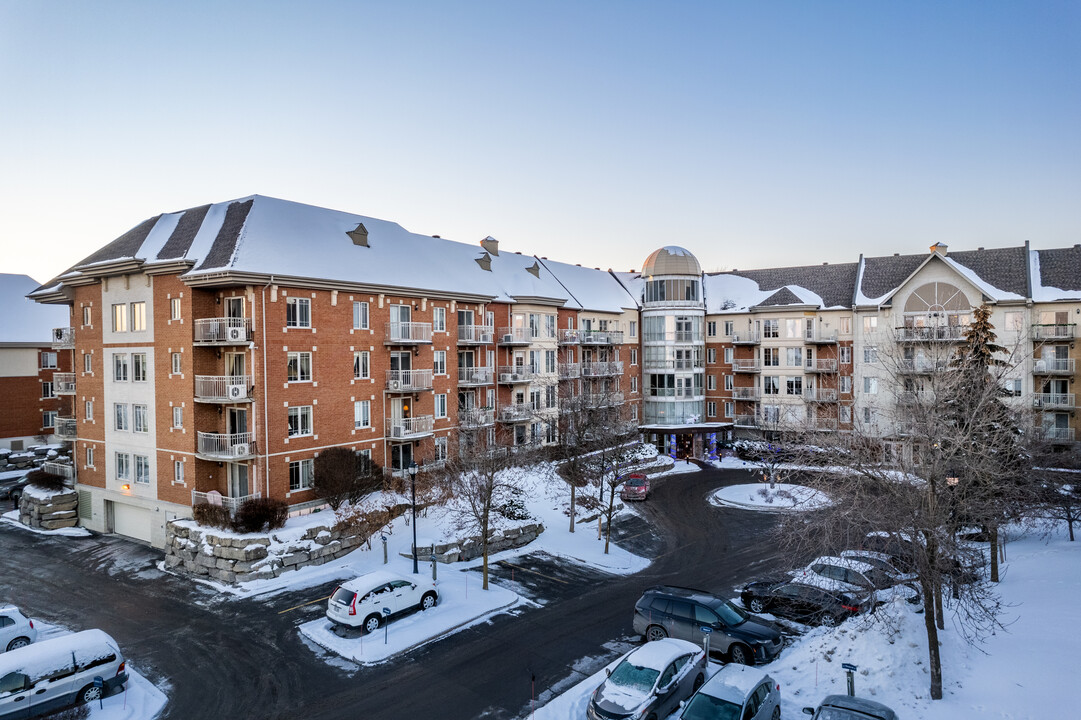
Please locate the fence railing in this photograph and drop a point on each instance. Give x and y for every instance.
(63, 338)
(517, 373)
(66, 428)
(475, 375)
(216, 498)
(222, 331)
(516, 412)
(409, 380)
(1053, 400)
(746, 365)
(476, 417)
(64, 470)
(408, 333)
(601, 369)
(1053, 331)
(480, 334)
(406, 428)
(64, 383)
(226, 446)
(1042, 366)
(223, 388)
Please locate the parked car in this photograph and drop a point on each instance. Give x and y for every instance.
(16, 630)
(802, 603)
(361, 601)
(846, 575)
(650, 681)
(636, 487)
(845, 707)
(667, 611)
(902, 550)
(12, 488)
(880, 561)
(736, 692)
(59, 672)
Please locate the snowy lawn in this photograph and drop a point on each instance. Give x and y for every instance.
(13, 519)
(760, 496)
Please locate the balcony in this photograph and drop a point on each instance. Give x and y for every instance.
(516, 412)
(679, 364)
(512, 374)
(1053, 331)
(601, 369)
(826, 365)
(66, 428)
(475, 376)
(407, 381)
(63, 338)
(1042, 366)
(225, 447)
(221, 331)
(408, 333)
(750, 421)
(1053, 401)
(216, 498)
(223, 388)
(746, 365)
(64, 383)
(938, 333)
(476, 334)
(820, 395)
(515, 336)
(746, 393)
(676, 336)
(747, 338)
(64, 470)
(569, 337)
(822, 424)
(1056, 434)
(820, 338)
(475, 417)
(913, 397)
(920, 366)
(569, 371)
(601, 337)
(411, 428)
(602, 399)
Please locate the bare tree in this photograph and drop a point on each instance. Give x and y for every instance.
(341, 475)
(1060, 496)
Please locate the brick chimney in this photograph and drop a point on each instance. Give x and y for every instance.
(939, 248)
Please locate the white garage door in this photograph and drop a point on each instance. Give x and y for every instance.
(135, 522)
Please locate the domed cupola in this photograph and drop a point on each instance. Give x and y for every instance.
(671, 260)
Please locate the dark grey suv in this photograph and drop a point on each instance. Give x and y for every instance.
(682, 613)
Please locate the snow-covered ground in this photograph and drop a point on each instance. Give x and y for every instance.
(12, 518)
(760, 496)
(1022, 672)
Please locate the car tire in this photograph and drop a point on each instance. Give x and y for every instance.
(428, 601)
(776, 713)
(655, 632)
(18, 643)
(698, 681)
(89, 694)
(741, 654)
(757, 605)
(372, 623)
(829, 620)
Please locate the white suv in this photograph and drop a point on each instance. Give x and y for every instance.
(368, 599)
(16, 630)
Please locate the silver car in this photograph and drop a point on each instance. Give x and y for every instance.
(649, 682)
(737, 692)
(16, 630)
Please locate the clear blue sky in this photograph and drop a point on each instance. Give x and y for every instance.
(752, 133)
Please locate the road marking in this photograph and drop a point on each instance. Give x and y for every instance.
(523, 569)
(281, 612)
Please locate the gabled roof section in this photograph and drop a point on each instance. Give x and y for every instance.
(883, 275)
(224, 247)
(784, 296)
(124, 247)
(1058, 269)
(180, 240)
(590, 288)
(832, 283)
(1001, 268)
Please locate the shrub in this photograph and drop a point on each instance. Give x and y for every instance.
(47, 481)
(211, 515)
(259, 514)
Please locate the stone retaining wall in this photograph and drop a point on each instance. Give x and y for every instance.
(470, 548)
(51, 513)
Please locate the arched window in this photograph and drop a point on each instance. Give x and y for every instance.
(937, 303)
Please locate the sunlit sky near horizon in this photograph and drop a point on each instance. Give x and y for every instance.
(754, 134)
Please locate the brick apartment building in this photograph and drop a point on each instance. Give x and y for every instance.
(219, 349)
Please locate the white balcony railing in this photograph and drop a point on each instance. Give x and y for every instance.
(826, 424)
(569, 371)
(410, 428)
(64, 383)
(409, 380)
(746, 338)
(476, 334)
(675, 336)
(601, 337)
(408, 333)
(515, 336)
(216, 498)
(747, 420)
(222, 331)
(746, 393)
(223, 388)
(66, 428)
(516, 373)
(746, 365)
(602, 399)
(821, 365)
(476, 417)
(820, 394)
(936, 333)
(63, 338)
(680, 364)
(1057, 434)
(475, 376)
(1053, 331)
(64, 470)
(1046, 401)
(516, 412)
(1042, 366)
(822, 338)
(569, 337)
(226, 446)
(601, 369)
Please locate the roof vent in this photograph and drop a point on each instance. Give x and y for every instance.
(939, 248)
(485, 262)
(517, 252)
(359, 234)
(437, 237)
(979, 248)
(577, 264)
(490, 245)
(897, 254)
(534, 269)
(825, 263)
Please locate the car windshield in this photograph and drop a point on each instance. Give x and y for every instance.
(707, 707)
(343, 596)
(832, 713)
(730, 614)
(629, 675)
(636, 482)
(878, 578)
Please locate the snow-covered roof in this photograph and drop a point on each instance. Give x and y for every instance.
(374, 579)
(47, 656)
(659, 654)
(26, 321)
(593, 289)
(742, 679)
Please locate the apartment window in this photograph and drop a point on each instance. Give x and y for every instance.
(48, 419)
(870, 324)
(441, 406)
(90, 456)
(634, 383)
(729, 327)
(794, 386)
(174, 308)
(123, 466)
(178, 416)
(711, 382)
(846, 384)
(138, 367)
(550, 326)
(120, 413)
(868, 415)
(771, 357)
(870, 354)
(794, 357)
(729, 382)
(120, 367)
(142, 469)
(846, 414)
(440, 449)
(634, 412)
(439, 319)
(300, 420)
(633, 328)
(793, 328)
(711, 355)
(138, 316)
(771, 385)
(361, 365)
(771, 328)
(120, 318)
(86, 316)
(140, 421)
(362, 414)
(47, 390)
(1013, 387)
(550, 396)
(870, 385)
(360, 316)
(634, 356)
(176, 363)
(299, 367)
(48, 361)
(178, 472)
(846, 325)
(88, 410)
(728, 409)
(1015, 321)
(846, 356)
(711, 409)
(728, 354)
(711, 328)
(88, 366)
(298, 312)
(439, 362)
(300, 475)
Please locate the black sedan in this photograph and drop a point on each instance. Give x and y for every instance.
(801, 603)
(12, 488)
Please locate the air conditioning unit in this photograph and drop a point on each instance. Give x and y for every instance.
(1041, 366)
(395, 384)
(235, 334)
(241, 449)
(508, 338)
(235, 392)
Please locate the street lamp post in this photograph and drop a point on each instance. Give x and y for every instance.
(413, 478)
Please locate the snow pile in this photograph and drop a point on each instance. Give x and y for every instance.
(760, 496)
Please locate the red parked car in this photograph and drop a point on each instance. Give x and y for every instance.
(636, 487)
